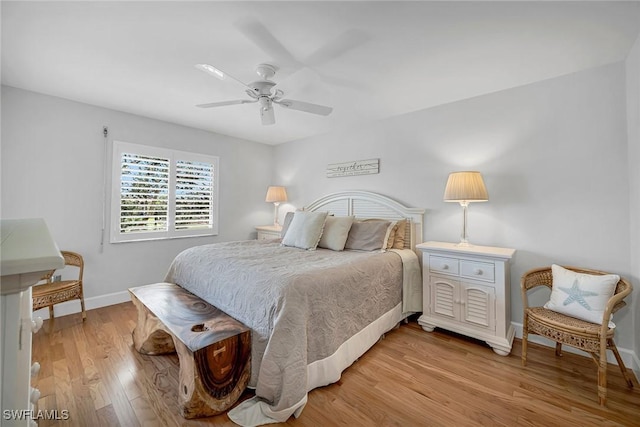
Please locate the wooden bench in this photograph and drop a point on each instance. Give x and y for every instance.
(214, 349)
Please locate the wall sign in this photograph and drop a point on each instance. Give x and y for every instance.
(356, 167)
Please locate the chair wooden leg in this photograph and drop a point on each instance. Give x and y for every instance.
(623, 368)
(50, 312)
(525, 337)
(602, 382)
(558, 349)
(84, 313)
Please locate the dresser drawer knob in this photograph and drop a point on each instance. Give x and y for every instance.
(36, 324)
(445, 266)
(35, 369)
(34, 395)
(477, 272)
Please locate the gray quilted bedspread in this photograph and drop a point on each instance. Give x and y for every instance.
(300, 305)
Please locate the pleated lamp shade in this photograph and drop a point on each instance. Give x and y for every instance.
(276, 194)
(466, 186)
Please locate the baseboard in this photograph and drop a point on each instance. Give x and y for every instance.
(72, 307)
(629, 357)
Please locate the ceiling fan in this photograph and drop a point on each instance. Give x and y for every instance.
(262, 91)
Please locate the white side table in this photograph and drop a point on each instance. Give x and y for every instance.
(466, 289)
(268, 232)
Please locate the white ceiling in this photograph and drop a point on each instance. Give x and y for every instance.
(368, 60)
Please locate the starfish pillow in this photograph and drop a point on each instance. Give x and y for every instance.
(579, 295)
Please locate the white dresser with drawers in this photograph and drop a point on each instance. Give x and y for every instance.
(27, 252)
(466, 289)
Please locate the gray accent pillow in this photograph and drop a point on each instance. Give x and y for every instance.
(305, 230)
(335, 233)
(368, 235)
(286, 223)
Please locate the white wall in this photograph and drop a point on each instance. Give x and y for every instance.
(633, 131)
(52, 167)
(553, 155)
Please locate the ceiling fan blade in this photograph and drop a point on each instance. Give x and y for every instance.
(217, 72)
(345, 42)
(307, 107)
(267, 116)
(262, 37)
(223, 103)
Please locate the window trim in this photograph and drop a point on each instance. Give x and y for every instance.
(120, 147)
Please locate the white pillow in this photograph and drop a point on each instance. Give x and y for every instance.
(305, 230)
(580, 295)
(335, 233)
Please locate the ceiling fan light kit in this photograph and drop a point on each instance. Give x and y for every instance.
(263, 92)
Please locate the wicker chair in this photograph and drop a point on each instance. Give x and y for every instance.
(51, 293)
(593, 338)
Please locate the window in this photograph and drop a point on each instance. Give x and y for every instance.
(160, 193)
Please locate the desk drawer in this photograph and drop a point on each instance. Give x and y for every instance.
(444, 265)
(478, 270)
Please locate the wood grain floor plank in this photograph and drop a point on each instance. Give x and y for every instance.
(47, 403)
(146, 415)
(107, 417)
(65, 399)
(409, 378)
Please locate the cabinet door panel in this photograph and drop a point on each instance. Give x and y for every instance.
(444, 296)
(478, 306)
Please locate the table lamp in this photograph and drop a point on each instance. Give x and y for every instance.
(465, 187)
(276, 195)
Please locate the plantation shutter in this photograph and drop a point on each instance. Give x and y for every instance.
(144, 193)
(159, 193)
(194, 191)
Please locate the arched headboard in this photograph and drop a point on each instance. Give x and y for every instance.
(365, 204)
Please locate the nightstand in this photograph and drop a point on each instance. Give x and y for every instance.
(268, 232)
(466, 289)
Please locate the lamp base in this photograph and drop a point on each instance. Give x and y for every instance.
(464, 237)
(275, 214)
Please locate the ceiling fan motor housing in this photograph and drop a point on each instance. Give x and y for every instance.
(262, 87)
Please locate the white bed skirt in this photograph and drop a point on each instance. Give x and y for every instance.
(253, 412)
(328, 370)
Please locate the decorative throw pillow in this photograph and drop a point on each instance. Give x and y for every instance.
(391, 231)
(305, 230)
(335, 233)
(368, 235)
(401, 230)
(392, 236)
(286, 223)
(580, 295)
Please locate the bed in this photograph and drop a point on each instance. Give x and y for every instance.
(312, 312)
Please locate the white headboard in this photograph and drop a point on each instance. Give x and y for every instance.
(365, 204)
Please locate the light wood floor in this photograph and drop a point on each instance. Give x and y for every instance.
(410, 378)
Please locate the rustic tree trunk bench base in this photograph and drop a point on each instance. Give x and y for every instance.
(214, 349)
